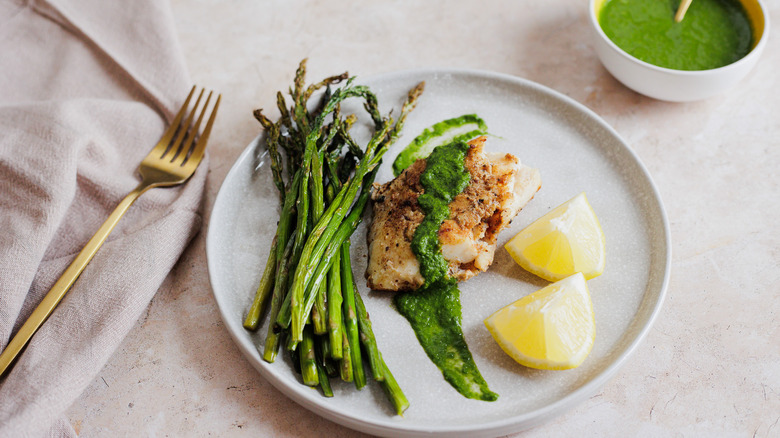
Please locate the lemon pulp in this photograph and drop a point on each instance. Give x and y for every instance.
(566, 240)
(551, 329)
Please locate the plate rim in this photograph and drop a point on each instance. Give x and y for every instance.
(496, 427)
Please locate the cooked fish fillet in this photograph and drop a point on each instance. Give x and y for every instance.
(500, 186)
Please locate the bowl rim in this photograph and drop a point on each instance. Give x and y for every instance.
(754, 52)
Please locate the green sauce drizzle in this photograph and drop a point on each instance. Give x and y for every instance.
(443, 179)
(714, 33)
(434, 311)
(462, 128)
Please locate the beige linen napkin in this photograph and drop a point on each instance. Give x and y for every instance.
(86, 88)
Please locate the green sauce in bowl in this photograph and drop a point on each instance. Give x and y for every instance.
(714, 33)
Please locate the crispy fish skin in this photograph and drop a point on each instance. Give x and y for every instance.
(500, 186)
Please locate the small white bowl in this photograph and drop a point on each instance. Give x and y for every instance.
(678, 85)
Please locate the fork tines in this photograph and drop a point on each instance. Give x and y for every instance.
(180, 138)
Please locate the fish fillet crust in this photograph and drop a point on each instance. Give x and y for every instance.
(500, 186)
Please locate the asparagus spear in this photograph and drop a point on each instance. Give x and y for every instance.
(299, 111)
(350, 317)
(272, 141)
(326, 360)
(308, 359)
(271, 346)
(252, 319)
(334, 308)
(345, 364)
(368, 339)
(319, 313)
(393, 391)
(322, 372)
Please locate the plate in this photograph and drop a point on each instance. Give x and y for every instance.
(575, 151)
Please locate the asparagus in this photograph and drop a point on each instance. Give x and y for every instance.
(285, 252)
(309, 371)
(252, 319)
(393, 391)
(334, 299)
(266, 283)
(319, 313)
(316, 244)
(326, 359)
(328, 222)
(302, 206)
(271, 346)
(322, 372)
(393, 131)
(272, 141)
(295, 359)
(341, 235)
(350, 317)
(334, 308)
(323, 177)
(368, 340)
(268, 280)
(326, 227)
(345, 365)
(299, 111)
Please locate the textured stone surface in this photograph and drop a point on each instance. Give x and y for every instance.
(709, 367)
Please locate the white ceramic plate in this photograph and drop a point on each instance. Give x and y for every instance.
(576, 151)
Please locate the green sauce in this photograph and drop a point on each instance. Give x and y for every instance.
(443, 179)
(434, 311)
(461, 128)
(714, 33)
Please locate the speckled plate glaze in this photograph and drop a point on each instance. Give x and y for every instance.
(576, 151)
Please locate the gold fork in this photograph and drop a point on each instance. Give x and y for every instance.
(172, 161)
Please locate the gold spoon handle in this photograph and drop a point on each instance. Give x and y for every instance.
(681, 10)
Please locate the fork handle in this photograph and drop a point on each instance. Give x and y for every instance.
(66, 280)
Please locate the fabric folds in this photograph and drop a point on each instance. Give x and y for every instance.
(86, 89)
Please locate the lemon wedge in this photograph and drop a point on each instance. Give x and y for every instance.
(550, 329)
(566, 240)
